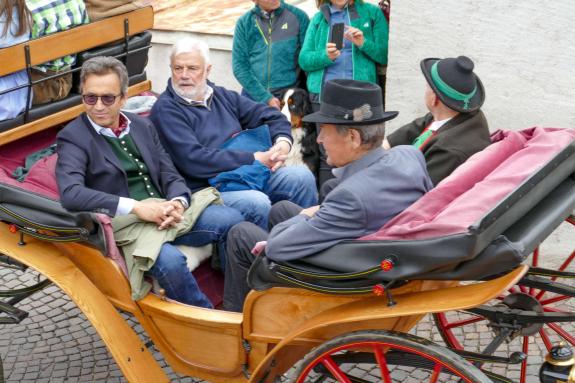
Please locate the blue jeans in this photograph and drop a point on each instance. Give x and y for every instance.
(292, 183)
(171, 270)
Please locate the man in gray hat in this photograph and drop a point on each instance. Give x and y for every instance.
(455, 127)
(374, 185)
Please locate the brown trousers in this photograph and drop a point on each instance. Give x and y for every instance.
(50, 90)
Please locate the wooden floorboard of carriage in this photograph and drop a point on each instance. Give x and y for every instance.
(59, 117)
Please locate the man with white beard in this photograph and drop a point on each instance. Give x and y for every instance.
(195, 118)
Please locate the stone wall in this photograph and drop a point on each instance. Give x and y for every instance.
(524, 53)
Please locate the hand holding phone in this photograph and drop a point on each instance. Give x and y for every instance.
(336, 36)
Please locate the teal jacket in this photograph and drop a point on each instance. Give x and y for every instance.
(265, 49)
(313, 57)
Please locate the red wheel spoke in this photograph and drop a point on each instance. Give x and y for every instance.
(540, 295)
(562, 332)
(524, 363)
(566, 263)
(380, 358)
(535, 260)
(553, 310)
(436, 372)
(558, 298)
(335, 370)
(523, 289)
(545, 339)
(463, 322)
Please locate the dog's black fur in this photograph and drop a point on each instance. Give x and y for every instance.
(298, 104)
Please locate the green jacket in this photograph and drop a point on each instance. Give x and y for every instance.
(141, 241)
(313, 57)
(265, 49)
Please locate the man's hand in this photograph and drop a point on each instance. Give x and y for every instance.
(164, 214)
(354, 35)
(310, 211)
(280, 153)
(273, 158)
(274, 102)
(332, 51)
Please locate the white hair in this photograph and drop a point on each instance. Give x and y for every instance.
(188, 45)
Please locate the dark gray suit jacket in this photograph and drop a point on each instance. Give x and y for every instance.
(456, 141)
(90, 176)
(370, 192)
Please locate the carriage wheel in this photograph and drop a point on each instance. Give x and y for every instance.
(392, 357)
(455, 327)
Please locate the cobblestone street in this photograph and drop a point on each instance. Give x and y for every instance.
(57, 344)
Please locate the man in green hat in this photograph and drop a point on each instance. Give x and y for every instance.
(455, 127)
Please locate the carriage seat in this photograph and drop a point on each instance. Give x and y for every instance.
(137, 58)
(483, 219)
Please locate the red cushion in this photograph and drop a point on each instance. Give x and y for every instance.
(478, 185)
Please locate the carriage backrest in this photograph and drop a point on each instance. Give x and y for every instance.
(79, 39)
(487, 194)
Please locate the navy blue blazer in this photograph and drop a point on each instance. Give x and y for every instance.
(90, 176)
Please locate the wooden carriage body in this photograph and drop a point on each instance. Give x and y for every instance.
(278, 326)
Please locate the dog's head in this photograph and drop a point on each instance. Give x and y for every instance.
(295, 105)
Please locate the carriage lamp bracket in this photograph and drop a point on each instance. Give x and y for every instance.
(385, 288)
(21, 242)
(247, 349)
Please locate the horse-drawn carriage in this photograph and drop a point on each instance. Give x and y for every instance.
(458, 248)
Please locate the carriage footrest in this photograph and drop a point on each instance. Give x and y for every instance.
(13, 315)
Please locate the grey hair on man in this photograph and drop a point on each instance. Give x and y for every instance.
(102, 65)
(188, 45)
(371, 135)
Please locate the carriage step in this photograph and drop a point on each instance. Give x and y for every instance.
(13, 315)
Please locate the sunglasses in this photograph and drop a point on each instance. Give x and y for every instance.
(107, 99)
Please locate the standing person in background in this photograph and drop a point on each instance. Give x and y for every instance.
(51, 16)
(267, 41)
(365, 45)
(14, 29)
(100, 9)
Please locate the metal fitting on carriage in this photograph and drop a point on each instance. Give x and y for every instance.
(559, 366)
(388, 263)
(379, 290)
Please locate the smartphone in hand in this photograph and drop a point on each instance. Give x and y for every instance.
(336, 36)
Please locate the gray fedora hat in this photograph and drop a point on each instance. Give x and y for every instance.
(350, 102)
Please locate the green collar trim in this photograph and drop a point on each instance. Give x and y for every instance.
(449, 91)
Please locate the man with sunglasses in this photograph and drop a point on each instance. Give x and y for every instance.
(112, 162)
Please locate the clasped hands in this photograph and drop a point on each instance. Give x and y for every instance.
(275, 157)
(165, 214)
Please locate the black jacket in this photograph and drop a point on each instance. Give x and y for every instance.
(90, 176)
(456, 141)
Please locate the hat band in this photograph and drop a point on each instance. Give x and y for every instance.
(449, 91)
(359, 114)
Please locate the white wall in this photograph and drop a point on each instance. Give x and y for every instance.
(524, 52)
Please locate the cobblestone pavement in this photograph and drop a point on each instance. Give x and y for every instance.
(57, 344)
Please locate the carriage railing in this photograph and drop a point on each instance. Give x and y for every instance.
(26, 55)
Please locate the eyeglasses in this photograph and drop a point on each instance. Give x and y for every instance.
(107, 99)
